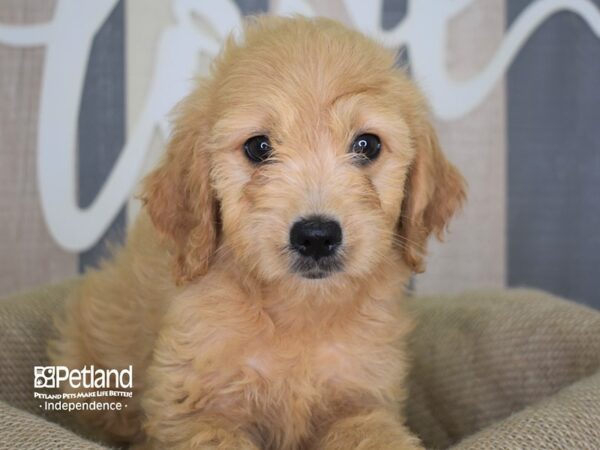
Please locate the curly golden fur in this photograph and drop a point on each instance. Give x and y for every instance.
(231, 348)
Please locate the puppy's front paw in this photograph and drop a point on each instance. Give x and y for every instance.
(378, 430)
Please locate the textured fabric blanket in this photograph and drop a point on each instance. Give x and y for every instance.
(515, 369)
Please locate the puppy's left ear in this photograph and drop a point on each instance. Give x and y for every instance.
(434, 191)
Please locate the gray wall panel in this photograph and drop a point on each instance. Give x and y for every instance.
(253, 6)
(393, 12)
(102, 124)
(554, 159)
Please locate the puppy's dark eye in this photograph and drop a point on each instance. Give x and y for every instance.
(258, 149)
(366, 147)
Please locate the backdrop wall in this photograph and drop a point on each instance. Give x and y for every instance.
(514, 85)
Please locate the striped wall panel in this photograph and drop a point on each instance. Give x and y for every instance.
(28, 254)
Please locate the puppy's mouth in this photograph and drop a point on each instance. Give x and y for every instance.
(317, 269)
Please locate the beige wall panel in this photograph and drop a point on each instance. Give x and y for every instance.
(333, 9)
(473, 255)
(144, 25)
(145, 22)
(28, 254)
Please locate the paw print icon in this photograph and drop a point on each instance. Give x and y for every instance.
(44, 376)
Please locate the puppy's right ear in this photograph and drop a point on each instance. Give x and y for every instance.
(179, 199)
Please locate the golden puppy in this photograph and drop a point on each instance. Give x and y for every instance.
(259, 294)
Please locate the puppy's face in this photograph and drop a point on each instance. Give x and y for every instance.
(310, 180)
(307, 155)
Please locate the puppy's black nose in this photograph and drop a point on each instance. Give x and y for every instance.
(316, 237)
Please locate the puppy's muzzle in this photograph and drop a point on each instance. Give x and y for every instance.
(316, 242)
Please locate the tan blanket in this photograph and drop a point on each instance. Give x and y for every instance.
(515, 369)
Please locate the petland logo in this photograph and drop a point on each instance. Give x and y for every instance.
(89, 378)
(95, 389)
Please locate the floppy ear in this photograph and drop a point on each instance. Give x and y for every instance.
(179, 199)
(434, 191)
